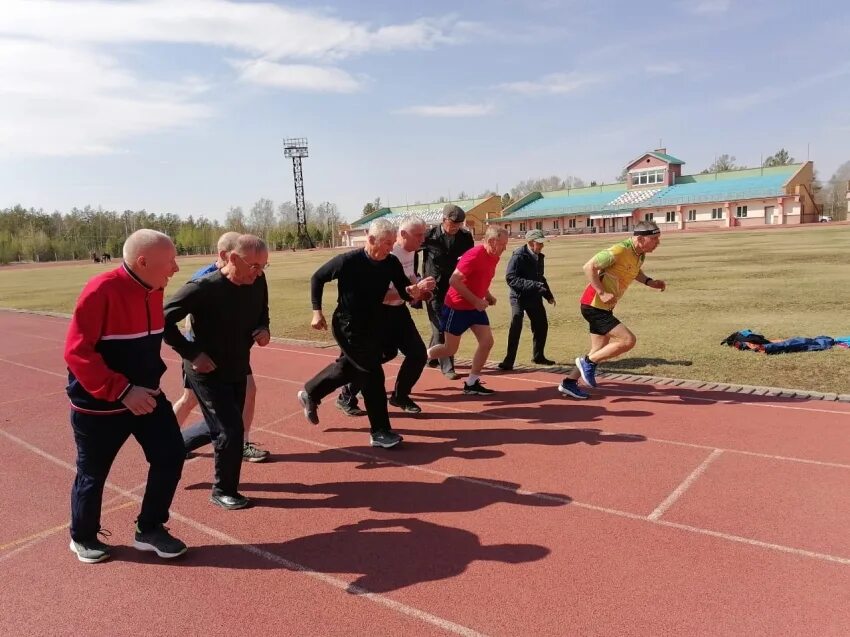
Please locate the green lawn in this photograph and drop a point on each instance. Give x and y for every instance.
(781, 283)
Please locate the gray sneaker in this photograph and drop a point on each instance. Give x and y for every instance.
(160, 541)
(310, 407)
(90, 551)
(252, 453)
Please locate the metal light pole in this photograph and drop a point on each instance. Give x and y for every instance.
(296, 148)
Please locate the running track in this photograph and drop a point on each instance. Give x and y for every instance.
(645, 511)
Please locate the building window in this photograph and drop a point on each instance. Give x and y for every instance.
(649, 216)
(508, 228)
(538, 225)
(717, 213)
(522, 226)
(571, 223)
(671, 216)
(692, 215)
(647, 177)
(556, 224)
(589, 222)
(741, 211)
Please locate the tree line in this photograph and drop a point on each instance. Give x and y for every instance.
(30, 234)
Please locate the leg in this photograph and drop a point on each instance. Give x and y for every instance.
(514, 332)
(485, 343)
(447, 349)
(98, 440)
(375, 397)
(415, 356)
(435, 312)
(160, 439)
(184, 405)
(250, 402)
(539, 329)
(619, 341)
(327, 381)
(197, 435)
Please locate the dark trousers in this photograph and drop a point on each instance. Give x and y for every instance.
(99, 438)
(221, 403)
(435, 309)
(359, 363)
(399, 334)
(539, 328)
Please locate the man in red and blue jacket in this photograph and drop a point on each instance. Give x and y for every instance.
(114, 367)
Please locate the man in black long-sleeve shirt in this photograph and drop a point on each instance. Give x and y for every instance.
(443, 246)
(229, 314)
(362, 280)
(528, 287)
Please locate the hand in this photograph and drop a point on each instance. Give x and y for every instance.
(203, 364)
(606, 297)
(551, 300)
(426, 295)
(261, 336)
(427, 284)
(657, 284)
(318, 322)
(491, 300)
(414, 291)
(481, 304)
(140, 400)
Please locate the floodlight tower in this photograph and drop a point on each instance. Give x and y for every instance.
(296, 148)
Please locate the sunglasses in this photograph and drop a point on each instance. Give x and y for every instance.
(256, 267)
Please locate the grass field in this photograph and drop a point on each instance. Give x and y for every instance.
(780, 283)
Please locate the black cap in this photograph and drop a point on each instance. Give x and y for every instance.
(453, 213)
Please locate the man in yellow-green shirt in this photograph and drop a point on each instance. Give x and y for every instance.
(609, 274)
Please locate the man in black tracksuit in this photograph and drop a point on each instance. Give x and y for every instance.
(229, 314)
(443, 246)
(363, 277)
(528, 289)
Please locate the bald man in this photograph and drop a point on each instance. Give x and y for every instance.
(114, 367)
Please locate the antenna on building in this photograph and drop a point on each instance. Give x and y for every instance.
(296, 148)
(808, 145)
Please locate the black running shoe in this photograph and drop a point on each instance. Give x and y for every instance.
(160, 541)
(405, 404)
(349, 409)
(385, 439)
(477, 388)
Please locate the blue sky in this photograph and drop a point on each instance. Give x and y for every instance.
(181, 105)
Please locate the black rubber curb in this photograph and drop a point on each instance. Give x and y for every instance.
(683, 383)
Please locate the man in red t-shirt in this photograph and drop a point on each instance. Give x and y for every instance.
(466, 301)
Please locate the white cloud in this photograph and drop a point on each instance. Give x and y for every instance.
(449, 110)
(663, 68)
(70, 100)
(710, 7)
(299, 77)
(553, 84)
(70, 96)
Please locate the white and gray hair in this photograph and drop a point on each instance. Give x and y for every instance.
(381, 227)
(494, 232)
(412, 222)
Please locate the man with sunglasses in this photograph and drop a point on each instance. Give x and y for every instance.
(609, 274)
(229, 314)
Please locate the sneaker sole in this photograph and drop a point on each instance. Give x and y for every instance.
(567, 392)
(235, 507)
(384, 445)
(88, 560)
(583, 377)
(406, 409)
(478, 393)
(348, 413)
(254, 459)
(143, 546)
(302, 398)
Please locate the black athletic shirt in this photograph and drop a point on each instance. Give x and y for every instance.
(361, 284)
(224, 317)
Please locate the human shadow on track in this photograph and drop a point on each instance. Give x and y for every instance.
(454, 443)
(388, 555)
(685, 397)
(453, 495)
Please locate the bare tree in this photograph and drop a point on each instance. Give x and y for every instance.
(235, 219)
(722, 164)
(781, 158)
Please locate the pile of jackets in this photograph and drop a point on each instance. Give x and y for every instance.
(749, 340)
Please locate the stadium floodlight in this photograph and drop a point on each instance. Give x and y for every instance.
(296, 148)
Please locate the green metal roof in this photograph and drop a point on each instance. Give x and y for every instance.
(665, 157)
(428, 211)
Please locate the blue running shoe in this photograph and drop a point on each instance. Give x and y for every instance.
(587, 370)
(569, 387)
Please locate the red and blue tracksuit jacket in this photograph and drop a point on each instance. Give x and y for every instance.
(113, 342)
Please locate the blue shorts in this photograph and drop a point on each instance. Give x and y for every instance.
(458, 321)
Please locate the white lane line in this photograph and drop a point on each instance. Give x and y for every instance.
(37, 397)
(582, 505)
(679, 491)
(336, 582)
(35, 369)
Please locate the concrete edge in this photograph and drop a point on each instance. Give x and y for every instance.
(683, 383)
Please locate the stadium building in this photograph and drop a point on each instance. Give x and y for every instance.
(655, 189)
(477, 213)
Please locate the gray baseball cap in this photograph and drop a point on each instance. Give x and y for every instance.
(453, 213)
(536, 236)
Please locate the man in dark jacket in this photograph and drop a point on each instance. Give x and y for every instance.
(528, 289)
(229, 315)
(114, 368)
(443, 246)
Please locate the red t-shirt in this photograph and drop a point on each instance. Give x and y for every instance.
(478, 269)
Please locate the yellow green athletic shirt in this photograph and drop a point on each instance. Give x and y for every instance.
(619, 266)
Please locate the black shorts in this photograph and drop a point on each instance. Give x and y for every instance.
(601, 321)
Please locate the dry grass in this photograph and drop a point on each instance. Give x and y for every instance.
(780, 283)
